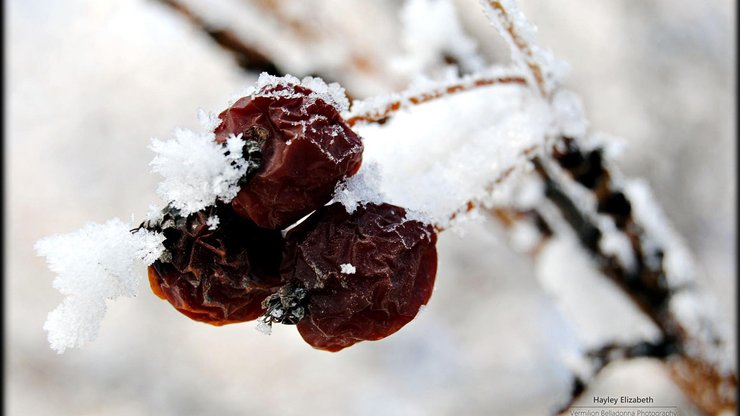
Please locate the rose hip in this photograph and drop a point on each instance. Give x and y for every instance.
(218, 276)
(305, 150)
(365, 274)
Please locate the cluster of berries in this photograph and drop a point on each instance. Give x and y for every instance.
(340, 277)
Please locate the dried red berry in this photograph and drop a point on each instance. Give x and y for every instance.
(305, 149)
(218, 276)
(365, 274)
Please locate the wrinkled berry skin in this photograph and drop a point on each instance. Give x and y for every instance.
(395, 264)
(306, 148)
(218, 276)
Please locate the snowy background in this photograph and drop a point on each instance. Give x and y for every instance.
(89, 83)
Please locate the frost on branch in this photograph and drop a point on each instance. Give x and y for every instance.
(438, 156)
(677, 260)
(95, 263)
(545, 69)
(197, 171)
(379, 109)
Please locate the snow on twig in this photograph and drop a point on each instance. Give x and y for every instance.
(380, 109)
(643, 267)
(545, 72)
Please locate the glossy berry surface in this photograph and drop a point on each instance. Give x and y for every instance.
(218, 276)
(305, 150)
(365, 274)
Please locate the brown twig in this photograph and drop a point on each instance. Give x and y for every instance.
(522, 50)
(405, 100)
(248, 57)
(472, 204)
(296, 24)
(647, 283)
(712, 391)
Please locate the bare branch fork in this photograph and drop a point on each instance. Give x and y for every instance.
(688, 356)
(647, 284)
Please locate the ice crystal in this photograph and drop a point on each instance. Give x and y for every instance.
(95, 263)
(197, 171)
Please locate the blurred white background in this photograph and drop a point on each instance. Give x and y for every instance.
(89, 83)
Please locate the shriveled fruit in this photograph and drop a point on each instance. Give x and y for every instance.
(365, 274)
(305, 150)
(218, 276)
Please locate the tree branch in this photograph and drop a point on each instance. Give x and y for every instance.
(518, 33)
(380, 110)
(248, 57)
(687, 355)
